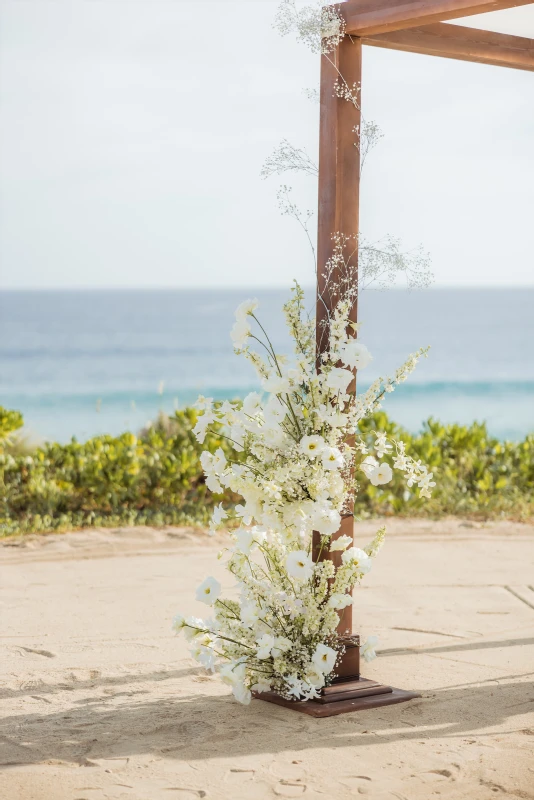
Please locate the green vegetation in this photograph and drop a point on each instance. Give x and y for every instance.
(155, 478)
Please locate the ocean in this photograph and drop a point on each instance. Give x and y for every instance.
(81, 363)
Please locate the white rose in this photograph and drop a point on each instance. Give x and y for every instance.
(325, 520)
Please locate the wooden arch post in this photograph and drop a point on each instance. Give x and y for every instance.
(415, 26)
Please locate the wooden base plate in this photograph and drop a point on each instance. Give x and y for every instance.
(357, 695)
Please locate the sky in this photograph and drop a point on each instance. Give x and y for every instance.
(133, 132)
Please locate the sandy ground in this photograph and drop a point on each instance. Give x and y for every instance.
(100, 700)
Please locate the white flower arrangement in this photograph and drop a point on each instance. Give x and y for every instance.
(299, 452)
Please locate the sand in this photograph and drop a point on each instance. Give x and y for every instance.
(100, 700)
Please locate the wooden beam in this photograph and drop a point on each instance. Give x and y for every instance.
(368, 17)
(465, 44)
(339, 206)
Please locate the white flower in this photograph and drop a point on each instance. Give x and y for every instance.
(281, 645)
(338, 601)
(367, 650)
(178, 623)
(265, 645)
(358, 558)
(249, 614)
(299, 565)
(232, 673)
(241, 693)
(341, 543)
(355, 355)
(381, 474)
(245, 540)
(240, 333)
(192, 627)
(276, 384)
(332, 458)
(208, 591)
(325, 520)
(244, 513)
(382, 446)
(274, 412)
(262, 685)
(246, 308)
(252, 404)
(324, 658)
(338, 379)
(315, 678)
(213, 484)
(368, 465)
(218, 514)
(312, 446)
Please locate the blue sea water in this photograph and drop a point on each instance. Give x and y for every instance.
(87, 362)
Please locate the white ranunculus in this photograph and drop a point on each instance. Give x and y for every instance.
(367, 650)
(355, 355)
(208, 591)
(240, 333)
(381, 474)
(332, 458)
(265, 645)
(276, 384)
(358, 558)
(246, 308)
(324, 658)
(339, 601)
(312, 446)
(325, 520)
(341, 543)
(338, 379)
(299, 565)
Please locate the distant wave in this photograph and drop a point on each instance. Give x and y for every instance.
(144, 396)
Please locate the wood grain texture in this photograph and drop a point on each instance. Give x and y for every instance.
(367, 17)
(464, 44)
(339, 205)
(315, 709)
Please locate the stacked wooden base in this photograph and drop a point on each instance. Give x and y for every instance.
(340, 698)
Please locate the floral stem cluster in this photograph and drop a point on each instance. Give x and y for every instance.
(300, 454)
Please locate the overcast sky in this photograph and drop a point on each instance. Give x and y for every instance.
(133, 133)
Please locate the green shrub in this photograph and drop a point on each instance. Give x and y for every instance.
(156, 478)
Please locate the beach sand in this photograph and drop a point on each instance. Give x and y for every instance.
(100, 700)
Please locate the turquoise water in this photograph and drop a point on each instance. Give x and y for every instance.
(87, 362)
